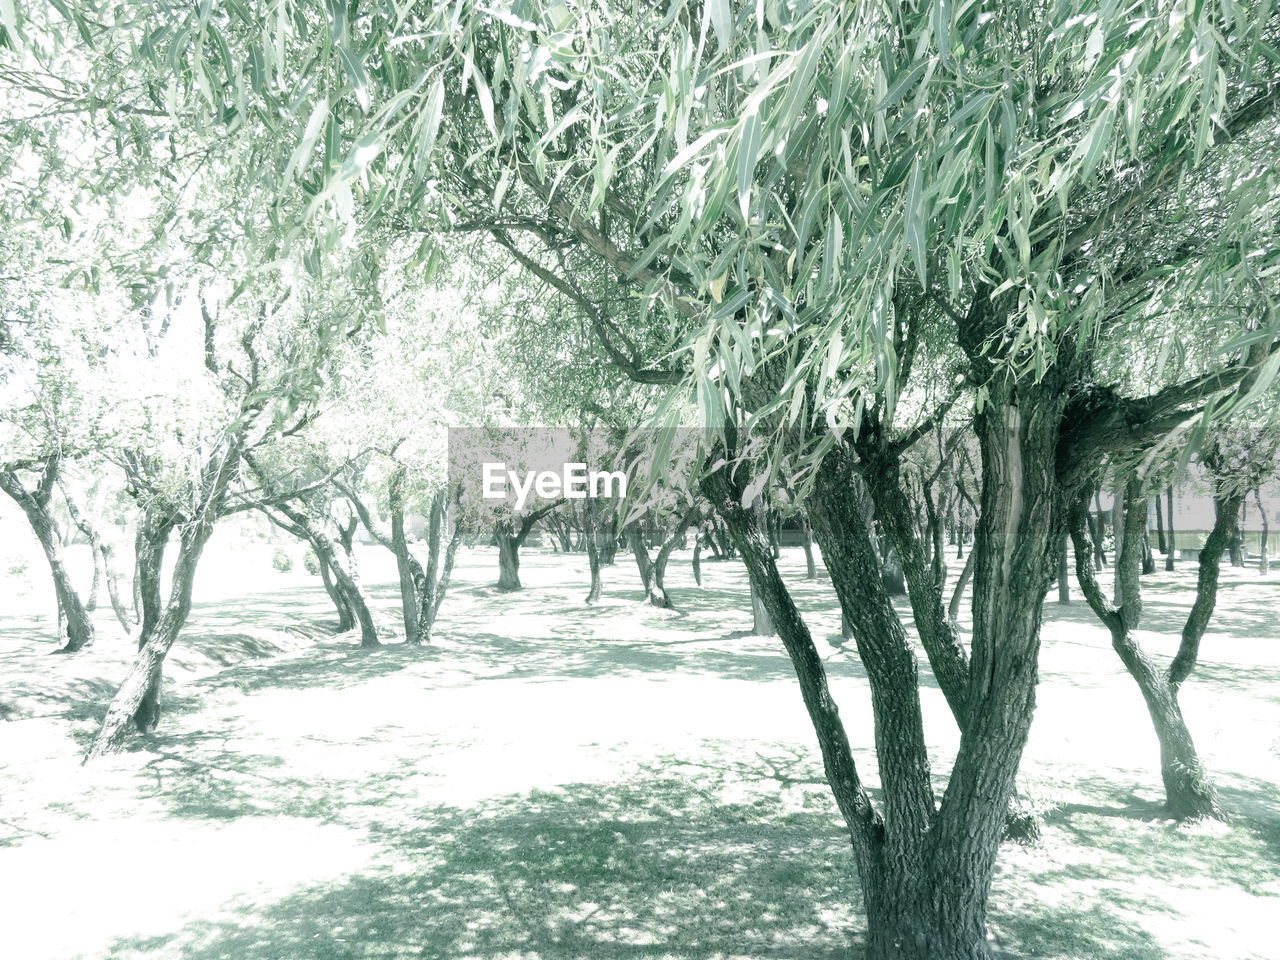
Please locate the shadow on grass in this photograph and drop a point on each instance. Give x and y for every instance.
(734, 856)
(654, 867)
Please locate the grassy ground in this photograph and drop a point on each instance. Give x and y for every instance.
(617, 783)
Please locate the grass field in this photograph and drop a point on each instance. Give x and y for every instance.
(560, 782)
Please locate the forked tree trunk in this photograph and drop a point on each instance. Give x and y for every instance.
(137, 700)
(1188, 792)
(511, 533)
(297, 521)
(346, 619)
(76, 627)
(653, 572)
(433, 584)
(926, 870)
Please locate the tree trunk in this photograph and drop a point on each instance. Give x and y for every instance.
(1164, 547)
(508, 557)
(1188, 792)
(76, 630)
(1264, 562)
(1117, 542)
(1236, 546)
(653, 572)
(137, 699)
(405, 563)
(652, 592)
(697, 557)
(1173, 547)
(346, 619)
(1064, 578)
(761, 623)
(934, 525)
(810, 567)
(346, 581)
(1148, 558)
(891, 572)
(936, 629)
(1096, 532)
(591, 535)
(668, 546)
(957, 595)
(925, 871)
(439, 570)
(607, 545)
(297, 521)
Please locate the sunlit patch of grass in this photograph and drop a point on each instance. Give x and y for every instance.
(552, 782)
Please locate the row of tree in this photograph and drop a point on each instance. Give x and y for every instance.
(819, 232)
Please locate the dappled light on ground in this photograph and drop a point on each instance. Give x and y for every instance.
(555, 781)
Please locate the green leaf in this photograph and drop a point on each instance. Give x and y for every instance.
(721, 15)
(748, 151)
(354, 69)
(915, 222)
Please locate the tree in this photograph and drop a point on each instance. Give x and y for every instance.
(772, 210)
(1189, 794)
(35, 500)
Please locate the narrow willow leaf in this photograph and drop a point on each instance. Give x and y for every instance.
(915, 223)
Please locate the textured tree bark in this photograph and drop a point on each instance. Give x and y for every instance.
(1016, 546)
(1096, 532)
(76, 631)
(508, 557)
(1188, 792)
(761, 622)
(947, 657)
(439, 573)
(155, 526)
(925, 871)
(1117, 540)
(137, 700)
(670, 543)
